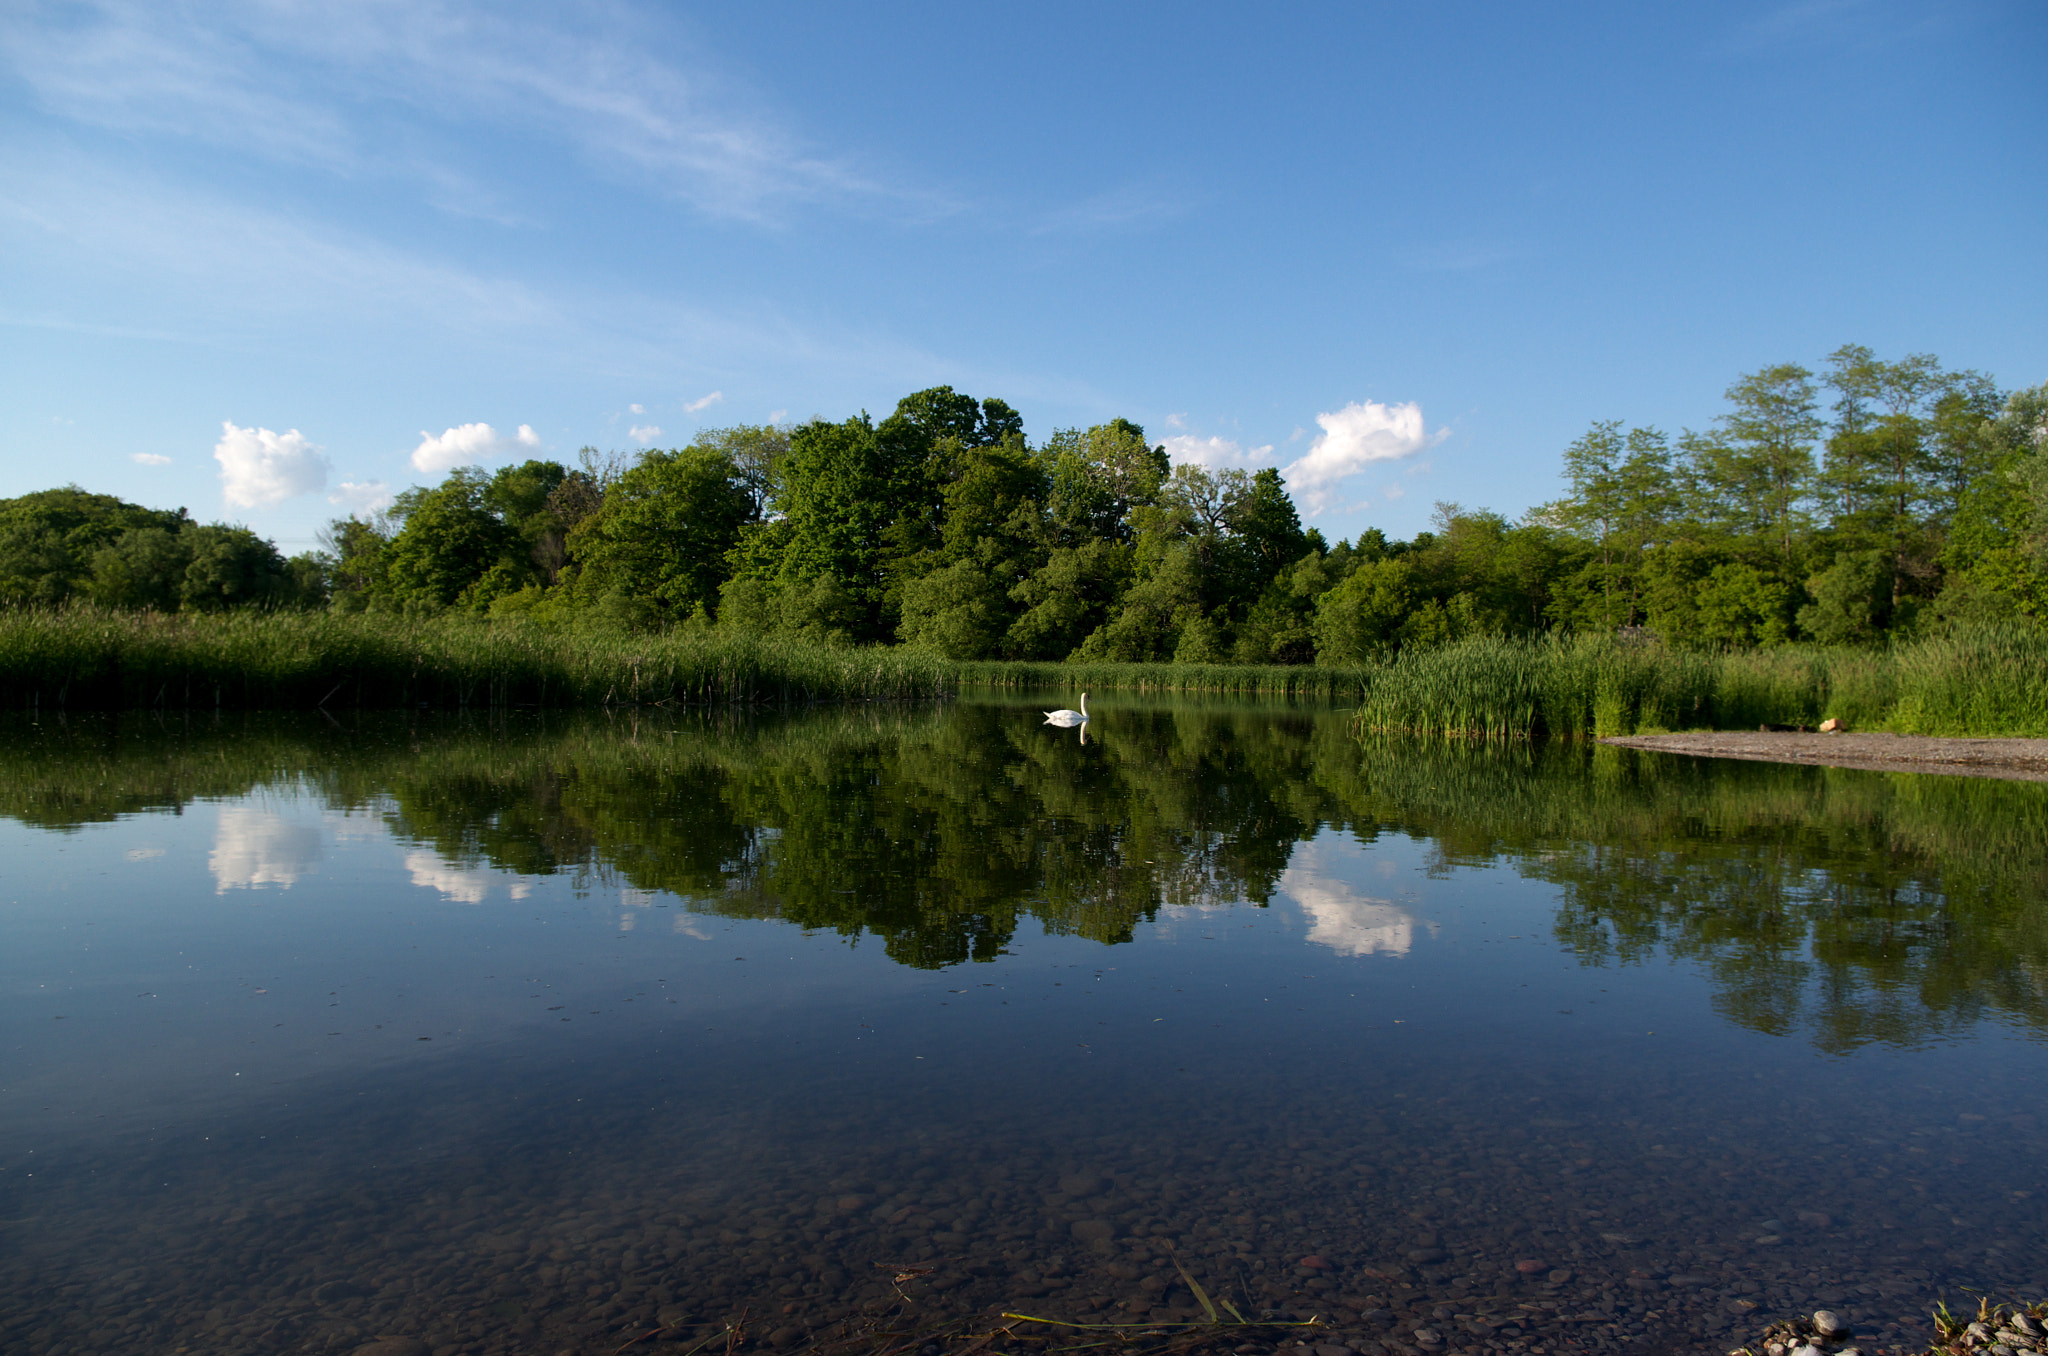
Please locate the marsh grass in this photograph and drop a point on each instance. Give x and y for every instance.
(1275, 680)
(1988, 682)
(1985, 682)
(88, 658)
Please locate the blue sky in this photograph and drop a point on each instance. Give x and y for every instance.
(272, 261)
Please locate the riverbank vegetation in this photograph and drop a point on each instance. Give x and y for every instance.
(1732, 575)
(1969, 680)
(86, 657)
(1873, 499)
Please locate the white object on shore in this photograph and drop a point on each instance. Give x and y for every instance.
(1068, 719)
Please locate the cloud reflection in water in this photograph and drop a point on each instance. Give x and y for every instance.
(1339, 915)
(254, 847)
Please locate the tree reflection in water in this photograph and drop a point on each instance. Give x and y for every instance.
(1851, 908)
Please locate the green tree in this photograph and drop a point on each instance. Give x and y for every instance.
(144, 568)
(233, 567)
(1066, 599)
(1905, 447)
(1622, 503)
(1360, 619)
(450, 539)
(49, 540)
(1753, 476)
(664, 531)
(1852, 599)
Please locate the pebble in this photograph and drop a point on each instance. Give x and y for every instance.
(394, 1346)
(1827, 1322)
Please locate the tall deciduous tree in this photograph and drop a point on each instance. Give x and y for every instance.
(1757, 469)
(664, 531)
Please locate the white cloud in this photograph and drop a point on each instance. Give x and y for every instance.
(1352, 439)
(704, 402)
(260, 469)
(1176, 421)
(466, 445)
(254, 847)
(362, 496)
(1215, 453)
(148, 459)
(777, 416)
(644, 434)
(637, 409)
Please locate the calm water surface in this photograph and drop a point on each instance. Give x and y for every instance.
(531, 1036)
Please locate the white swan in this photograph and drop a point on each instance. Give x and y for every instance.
(1068, 719)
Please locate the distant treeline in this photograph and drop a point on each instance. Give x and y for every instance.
(1870, 500)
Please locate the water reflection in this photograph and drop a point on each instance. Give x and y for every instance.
(1340, 917)
(254, 847)
(1848, 908)
(1222, 992)
(459, 885)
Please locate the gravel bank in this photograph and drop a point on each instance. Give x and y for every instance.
(2014, 759)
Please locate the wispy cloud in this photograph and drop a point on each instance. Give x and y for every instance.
(627, 93)
(149, 459)
(467, 444)
(215, 261)
(703, 403)
(1216, 453)
(1461, 256)
(261, 469)
(644, 434)
(362, 497)
(1832, 23)
(1130, 207)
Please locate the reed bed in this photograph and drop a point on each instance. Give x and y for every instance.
(1984, 682)
(1275, 680)
(89, 658)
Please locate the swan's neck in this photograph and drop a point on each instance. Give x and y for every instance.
(1084, 706)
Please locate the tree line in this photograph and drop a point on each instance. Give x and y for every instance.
(1872, 498)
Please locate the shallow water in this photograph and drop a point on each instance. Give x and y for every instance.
(532, 1036)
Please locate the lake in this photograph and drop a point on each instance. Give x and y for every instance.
(538, 1034)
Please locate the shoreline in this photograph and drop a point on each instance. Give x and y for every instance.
(2011, 759)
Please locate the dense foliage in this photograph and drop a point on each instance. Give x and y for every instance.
(1909, 501)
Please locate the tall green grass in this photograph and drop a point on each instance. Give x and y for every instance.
(87, 658)
(1987, 682)
(1283, 680)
